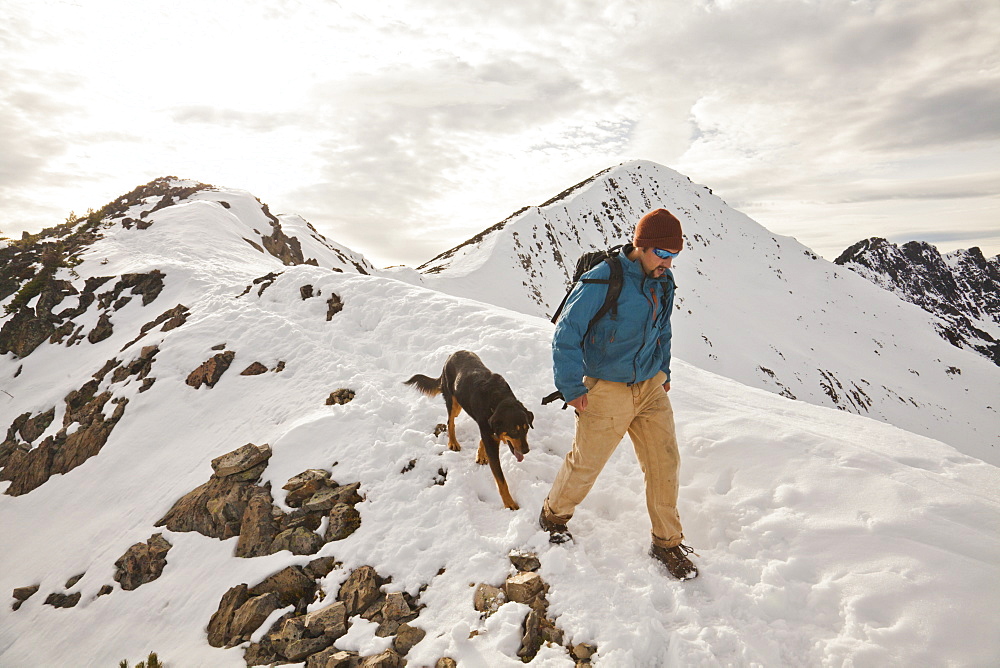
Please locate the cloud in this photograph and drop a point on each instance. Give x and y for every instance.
(31, 111)
(242, 120)
(409, 126)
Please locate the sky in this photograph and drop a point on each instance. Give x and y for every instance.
(400, 129)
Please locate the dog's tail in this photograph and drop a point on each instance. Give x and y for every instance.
(429, 386)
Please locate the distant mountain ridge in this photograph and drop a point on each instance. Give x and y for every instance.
(963, 287)
(755, 307)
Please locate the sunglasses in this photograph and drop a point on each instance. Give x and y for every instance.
(665, 254)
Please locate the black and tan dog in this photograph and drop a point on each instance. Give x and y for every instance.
(467, 384)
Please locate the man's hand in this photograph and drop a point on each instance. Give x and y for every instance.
(580, 403)
(666, 386)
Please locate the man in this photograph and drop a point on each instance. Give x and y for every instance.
(617, 377)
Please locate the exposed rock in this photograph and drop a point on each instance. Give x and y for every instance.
(250, 475)
(406, 637)
(333, 658)
(325, 499)
(306, 476)
(446, 662)
(241, 459)
(139, 367)
(105, 590)
(306, 292)
(291, 584)
(360, 590)
(24, 593)
(322, 501)
(73, 580)
(387, 659)
(211, 371)
(220, 627)
(320, 568)
(531, 641)
(523, 587)
(311, 520)
(524, 561)
(583, 651)
(61, 453)
(33, 427)
(300, 494)
(250, 616)
(214, 509)
(330, 621)
(285, 632)
(440, 428)
(488, 599)
(148, 285)
(101, 330)
(395, 606)
(62, 600)
(334, 306)
(340, 397)
(961, 288)
(170, 319)
(344, 520)
(348, 494)
(299, 650)
(299, 540)
(257, 526)
(280, 366)
(261, 654)
(254, 369)
(142, 563)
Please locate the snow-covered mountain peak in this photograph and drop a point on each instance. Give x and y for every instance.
(751, 305)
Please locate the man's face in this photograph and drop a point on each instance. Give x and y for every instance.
(653, 265)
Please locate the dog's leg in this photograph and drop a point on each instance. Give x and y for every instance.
(492, 449)
(481, 457)
(453, 412)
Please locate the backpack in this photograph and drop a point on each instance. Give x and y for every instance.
(614, 282)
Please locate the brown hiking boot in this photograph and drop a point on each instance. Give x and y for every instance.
(676, 561)
(558, 533)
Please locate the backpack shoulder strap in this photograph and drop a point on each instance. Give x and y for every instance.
(614, 282)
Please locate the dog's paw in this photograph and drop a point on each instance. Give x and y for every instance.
(454, 446)
(512, 505)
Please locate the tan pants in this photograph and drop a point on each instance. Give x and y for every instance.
(643, 411)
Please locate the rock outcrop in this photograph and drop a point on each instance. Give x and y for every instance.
(232, 503)
(210, 371)
(86, 428)
(527, 587)
(311, 636)
(142, 563)
(961, 288)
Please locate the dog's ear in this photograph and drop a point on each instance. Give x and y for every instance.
(495, 422)
(531, 420)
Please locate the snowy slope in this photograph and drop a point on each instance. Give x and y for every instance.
(761, 309)
(824, 538)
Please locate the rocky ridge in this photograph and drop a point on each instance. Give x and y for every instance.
(962, 288)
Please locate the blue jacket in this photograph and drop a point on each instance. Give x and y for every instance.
(629, 349)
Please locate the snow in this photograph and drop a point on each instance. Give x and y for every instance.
(823, 537)
(752, 306)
